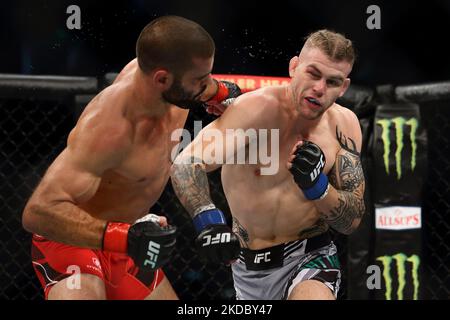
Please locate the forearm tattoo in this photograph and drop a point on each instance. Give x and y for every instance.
(240, 231)
(320, 227)
(190, 183)
(350, 207)
(347, 177)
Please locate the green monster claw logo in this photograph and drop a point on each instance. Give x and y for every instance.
(399, 123)
(400, 262)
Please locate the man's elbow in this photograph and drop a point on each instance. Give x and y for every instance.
(353, 227)
(30, 217)
(33, 216)
(355, 223)
(174, 169)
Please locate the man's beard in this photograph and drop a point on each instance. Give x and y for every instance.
(182, 98)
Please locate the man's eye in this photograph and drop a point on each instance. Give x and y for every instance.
(332, 83)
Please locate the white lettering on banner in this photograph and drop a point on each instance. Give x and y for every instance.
(398, 218)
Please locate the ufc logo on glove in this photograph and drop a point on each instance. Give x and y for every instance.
(218, 238)
(152, 253)
(318, 169)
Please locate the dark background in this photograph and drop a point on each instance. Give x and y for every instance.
(252, 37)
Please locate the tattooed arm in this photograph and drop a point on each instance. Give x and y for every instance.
(215, 240)
(188, 173)
(344, 207)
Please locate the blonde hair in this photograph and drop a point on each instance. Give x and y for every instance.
(335, 45)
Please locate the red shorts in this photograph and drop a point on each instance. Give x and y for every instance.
(53, 261)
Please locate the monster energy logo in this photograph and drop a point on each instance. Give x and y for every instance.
(399, 123)
(400, 262)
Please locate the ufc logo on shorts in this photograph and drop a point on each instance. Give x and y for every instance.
(262, 256)
(317, 169)
(218, 238)
(152, 253)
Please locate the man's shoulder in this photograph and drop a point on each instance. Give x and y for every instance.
(342, 115)
(127, 71)
(259, 109)
(113, 97)
(263, 100)
(103, 124)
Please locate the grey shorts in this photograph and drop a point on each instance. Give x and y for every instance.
(272, 273)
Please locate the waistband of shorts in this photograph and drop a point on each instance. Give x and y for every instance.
(38, 238)
(273, 257)
(42, 241)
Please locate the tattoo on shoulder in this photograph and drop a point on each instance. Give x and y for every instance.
(346, 143)
(347, 177)
(240, 231)
(347, 172)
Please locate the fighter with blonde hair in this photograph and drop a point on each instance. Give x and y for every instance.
(280, 221)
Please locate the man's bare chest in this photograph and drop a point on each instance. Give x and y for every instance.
(151, 154)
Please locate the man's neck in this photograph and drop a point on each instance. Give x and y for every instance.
(149, 101)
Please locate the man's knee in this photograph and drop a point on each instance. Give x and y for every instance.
(78, 287)
(311, 290)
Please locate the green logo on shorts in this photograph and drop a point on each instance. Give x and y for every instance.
(399, 123)
(401, 264)
(330, 262)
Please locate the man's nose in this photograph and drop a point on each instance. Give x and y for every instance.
(320, 87)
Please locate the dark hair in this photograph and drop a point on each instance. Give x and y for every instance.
(172, 42)
(335, 45)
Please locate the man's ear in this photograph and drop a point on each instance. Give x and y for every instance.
(292, 65)
(162, 79)
(344, 87)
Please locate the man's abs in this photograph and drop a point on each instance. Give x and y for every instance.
(124, 200)
(267, 213)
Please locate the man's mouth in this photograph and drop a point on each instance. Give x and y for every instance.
(197, 96)
(314, 102)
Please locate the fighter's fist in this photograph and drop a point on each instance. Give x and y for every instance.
(216, 241)
(307, 166)
(149, 241)
(226, 93)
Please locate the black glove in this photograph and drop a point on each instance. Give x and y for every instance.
(226, 93)
(146, 242)
(216, 241)
(307, 168)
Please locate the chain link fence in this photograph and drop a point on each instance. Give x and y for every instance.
(32, 134)
(437, 201)
(34, 128)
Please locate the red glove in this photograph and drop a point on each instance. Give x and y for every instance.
(225, 95)
(146, 242)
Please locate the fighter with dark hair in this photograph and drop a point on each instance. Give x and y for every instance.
(91, 209)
